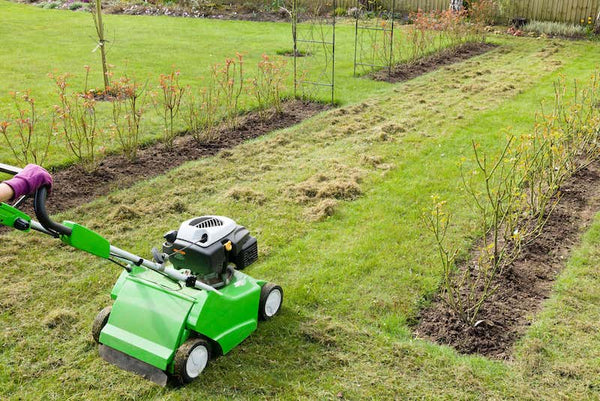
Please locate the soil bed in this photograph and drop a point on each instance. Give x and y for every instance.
(404, 72)
(527, 282)
(218, 12)
(73, 186)
(242, 12)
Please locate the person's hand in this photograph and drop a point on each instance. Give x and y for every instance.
(29, 180)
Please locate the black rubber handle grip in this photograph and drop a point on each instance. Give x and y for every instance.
(39, 205)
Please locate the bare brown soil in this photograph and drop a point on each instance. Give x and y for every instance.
(73, 186)
(404, 72)
(245, 12)
(526, 284)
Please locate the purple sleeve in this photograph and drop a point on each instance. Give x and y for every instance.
(29, 180)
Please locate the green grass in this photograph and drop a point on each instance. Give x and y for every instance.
(37, 42)
(354, 281)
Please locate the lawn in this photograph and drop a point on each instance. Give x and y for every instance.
(37, 42)
(354, 282)
(62, 42)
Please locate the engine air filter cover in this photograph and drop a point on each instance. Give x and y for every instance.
(199, 246)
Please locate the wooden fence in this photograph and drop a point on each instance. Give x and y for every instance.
(574, 11)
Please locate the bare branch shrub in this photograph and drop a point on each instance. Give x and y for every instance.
(128, 107)
(229, 84)
(269, 83)
(168, 102)
(514, 194)
(77, 116)
(27, 143)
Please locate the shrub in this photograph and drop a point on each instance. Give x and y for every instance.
(76, 5)
(340, 12)
(483, 12)
(555, 29)
(76, 113)
(514, 195)
(435, 30)
(202, 112)
(269, 83)
(228, 79)
(128, 107)
(27, 144)
(169, 102)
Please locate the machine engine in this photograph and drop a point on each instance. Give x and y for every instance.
(207, 245)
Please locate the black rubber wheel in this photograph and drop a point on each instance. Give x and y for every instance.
(191, 359)
(99, 323)
(271, 298)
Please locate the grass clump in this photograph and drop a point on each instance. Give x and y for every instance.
(555, 29)
(322, 186)
(60, 318)
(322, 210)
(247, 195)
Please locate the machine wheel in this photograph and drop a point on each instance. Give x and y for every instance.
(271, 298)
(191, 359)
(99, 323)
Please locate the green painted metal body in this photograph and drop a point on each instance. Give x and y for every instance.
(9, 214)
(152, 315)
(86, 240)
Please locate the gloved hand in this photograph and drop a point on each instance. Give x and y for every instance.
(29, 180)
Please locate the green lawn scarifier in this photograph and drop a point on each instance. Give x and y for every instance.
(170, 315)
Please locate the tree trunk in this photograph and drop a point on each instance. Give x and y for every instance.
(456, 5)
(97, 15)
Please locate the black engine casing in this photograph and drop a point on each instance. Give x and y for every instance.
(200, 246)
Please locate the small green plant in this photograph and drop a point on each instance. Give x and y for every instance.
(340, 11)
(76, 5)
(25, 141)
(51, 5)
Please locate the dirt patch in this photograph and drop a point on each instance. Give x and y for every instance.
(290, 53)
(246, 12)
(73, 186)
(404, 72)
(526, 284)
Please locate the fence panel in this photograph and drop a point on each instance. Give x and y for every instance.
(573, 11)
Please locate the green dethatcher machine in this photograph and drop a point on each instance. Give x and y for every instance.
(173, 313)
